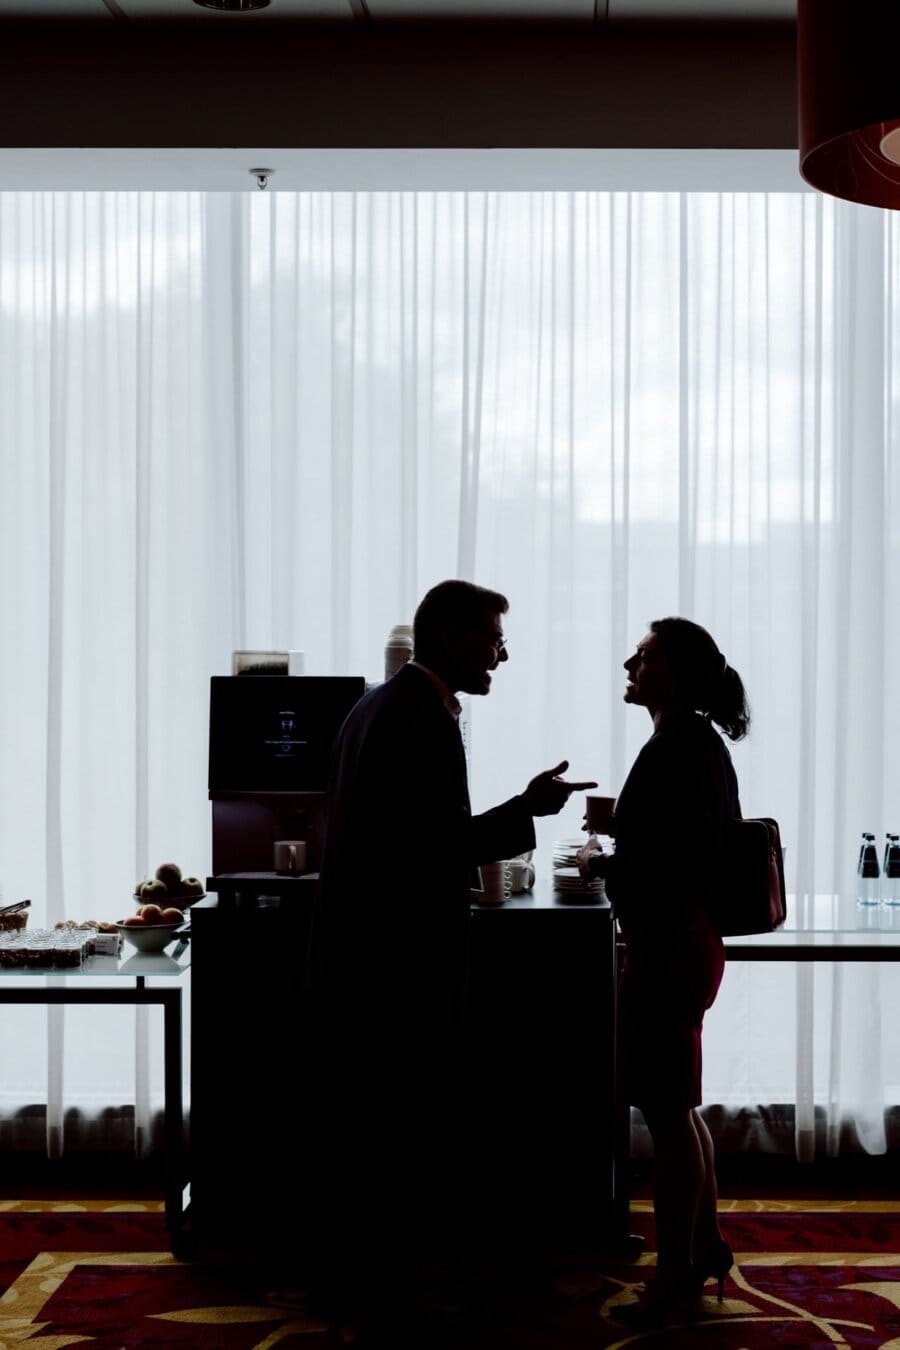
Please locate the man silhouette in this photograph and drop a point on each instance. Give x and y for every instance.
(400, 853)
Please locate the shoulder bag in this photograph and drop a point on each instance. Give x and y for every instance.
(753, 897)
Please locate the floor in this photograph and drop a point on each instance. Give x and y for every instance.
(505, 1292)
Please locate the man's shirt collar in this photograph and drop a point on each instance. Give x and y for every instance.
(448, 698)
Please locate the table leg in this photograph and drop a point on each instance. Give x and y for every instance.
(630, 1244)
(174, 1111)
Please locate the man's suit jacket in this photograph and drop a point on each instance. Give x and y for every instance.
(401, 844)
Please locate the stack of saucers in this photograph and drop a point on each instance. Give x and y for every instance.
(567, 880)
(565, 851)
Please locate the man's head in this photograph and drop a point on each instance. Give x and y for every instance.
(457, 633)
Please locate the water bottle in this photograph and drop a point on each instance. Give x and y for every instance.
(890, 875)
(867, 873)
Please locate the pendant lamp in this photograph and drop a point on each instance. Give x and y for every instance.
(848, 83)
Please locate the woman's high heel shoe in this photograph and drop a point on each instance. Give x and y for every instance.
(715, 1263)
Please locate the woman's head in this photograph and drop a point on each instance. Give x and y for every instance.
(678, 665)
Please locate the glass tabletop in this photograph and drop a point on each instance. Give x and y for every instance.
(128, 964)
(829, 920)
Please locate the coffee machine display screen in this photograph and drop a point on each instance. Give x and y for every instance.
(275, 733)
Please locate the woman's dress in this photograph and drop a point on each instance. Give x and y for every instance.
(665, 886)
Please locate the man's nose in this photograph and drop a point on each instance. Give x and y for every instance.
(503, 654)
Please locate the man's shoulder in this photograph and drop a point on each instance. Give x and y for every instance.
(408, 693)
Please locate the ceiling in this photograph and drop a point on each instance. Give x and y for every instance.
(372, 11)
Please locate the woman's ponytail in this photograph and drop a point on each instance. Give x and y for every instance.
(728, 706)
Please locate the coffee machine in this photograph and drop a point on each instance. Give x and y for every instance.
(252, 1033)
(270, 744)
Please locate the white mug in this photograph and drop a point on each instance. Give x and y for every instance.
(521, 875)
(495, 882)
(290, 857)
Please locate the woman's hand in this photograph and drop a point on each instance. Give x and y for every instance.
(591, 859)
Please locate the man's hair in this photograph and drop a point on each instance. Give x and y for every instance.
(450, 605)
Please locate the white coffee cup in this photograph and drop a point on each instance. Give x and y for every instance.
(290, 856)
(521, 875)
(496, 884)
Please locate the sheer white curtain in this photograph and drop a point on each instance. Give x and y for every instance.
(274, 421)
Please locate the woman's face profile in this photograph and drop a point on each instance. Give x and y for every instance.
(649, 684)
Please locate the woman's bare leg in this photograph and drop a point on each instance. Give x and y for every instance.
(680, 1180)
(706, 1229)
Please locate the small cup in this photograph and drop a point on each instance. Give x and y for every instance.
(600, 814)
(496, 886)
(521, 875)
(290, 857)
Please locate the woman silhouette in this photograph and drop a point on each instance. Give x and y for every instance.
(664, 882)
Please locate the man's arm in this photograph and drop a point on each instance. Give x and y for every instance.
(547, 793)
(507, 830)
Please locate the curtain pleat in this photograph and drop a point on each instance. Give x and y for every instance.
(63, 275)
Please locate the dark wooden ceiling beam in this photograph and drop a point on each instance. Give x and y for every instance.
(357, 85)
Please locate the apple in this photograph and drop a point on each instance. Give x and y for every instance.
(154, 890)
(170, 876)
(191, 886)
(134, 921)
(138, 885)
(172, 915)
(150, 913)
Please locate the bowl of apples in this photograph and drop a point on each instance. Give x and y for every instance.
(161, 901)
(152, 928)
(167, 887)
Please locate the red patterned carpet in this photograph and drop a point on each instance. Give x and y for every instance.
(101, 1274)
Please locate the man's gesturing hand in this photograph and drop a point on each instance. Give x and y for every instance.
(547, 794)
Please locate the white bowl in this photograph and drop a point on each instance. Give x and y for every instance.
(149, 937)
(176, 901)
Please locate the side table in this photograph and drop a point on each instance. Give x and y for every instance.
(131, 972)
